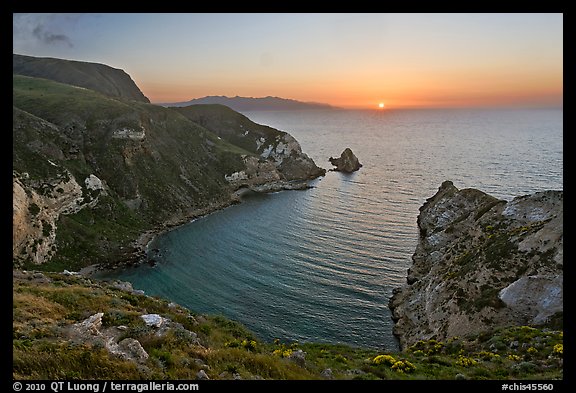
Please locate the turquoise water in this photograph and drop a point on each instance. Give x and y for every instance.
(320, 264)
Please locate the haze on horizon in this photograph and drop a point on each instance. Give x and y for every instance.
(345, 60)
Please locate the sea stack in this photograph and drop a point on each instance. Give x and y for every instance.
(347, 162)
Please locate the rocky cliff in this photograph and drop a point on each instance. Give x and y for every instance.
(91, 173)
(482, 263)
(268, 144)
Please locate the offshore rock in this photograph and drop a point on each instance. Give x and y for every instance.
(482, 263)
(347, 162)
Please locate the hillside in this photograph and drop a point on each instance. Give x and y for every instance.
(109, 81)
(247, 104)
(92, 173)
(264, 141)
(66, 326)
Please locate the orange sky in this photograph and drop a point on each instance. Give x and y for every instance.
(396, 90)
(347, 60)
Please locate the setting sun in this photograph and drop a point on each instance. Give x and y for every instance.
(381, 105)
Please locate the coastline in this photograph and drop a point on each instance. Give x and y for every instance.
(139, 248)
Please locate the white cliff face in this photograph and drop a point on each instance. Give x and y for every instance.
(256, 173)
(536, 298)
(236, 177)
(285, 146)
(286, 155)
(36, 211)
(481, 263)
(93, 183)
(129, 133)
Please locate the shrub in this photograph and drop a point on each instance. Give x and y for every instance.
(34, 209)
(249, 345)
(283, 353)
(403, 366)
(465, 361)
(488, 356)
(514, 358)
(384, 359)
(558, 350)
(282, 350)
(532, 350)
(525, 367)
(429, 347)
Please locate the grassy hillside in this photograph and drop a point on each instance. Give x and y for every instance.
(99, 77)
(151, 166)
(47, 305)
(170, 167)
(230, 125)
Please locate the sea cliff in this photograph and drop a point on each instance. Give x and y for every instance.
(482, 263)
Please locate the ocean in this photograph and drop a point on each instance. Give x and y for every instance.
(319, 265)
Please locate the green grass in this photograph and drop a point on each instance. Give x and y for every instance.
(61, 131)
(40, 350)
(179, 166)
(52, 100)
(231, 126)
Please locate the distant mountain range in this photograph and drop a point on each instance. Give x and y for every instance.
(246, 104)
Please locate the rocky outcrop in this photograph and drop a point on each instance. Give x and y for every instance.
(91, 332)
(37, 206)
(347, 162)
(263, 176)
(256, 172)
(482, 263)
(288, 158)
(268, 145)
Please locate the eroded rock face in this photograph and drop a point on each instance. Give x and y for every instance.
(36, 207)
(255, 173)
(481, 263)
(347, 162)
(277, 153)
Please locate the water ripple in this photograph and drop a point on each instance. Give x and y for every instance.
(320, 265)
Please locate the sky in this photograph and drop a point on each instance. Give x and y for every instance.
(346, 60)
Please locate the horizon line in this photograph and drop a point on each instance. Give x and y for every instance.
(387, 108)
